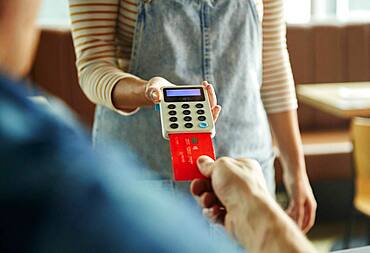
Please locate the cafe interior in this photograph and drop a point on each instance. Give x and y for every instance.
(329, 50)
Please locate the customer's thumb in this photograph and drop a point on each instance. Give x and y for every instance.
(205, 165)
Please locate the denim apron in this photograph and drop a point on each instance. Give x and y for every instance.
(186, 42)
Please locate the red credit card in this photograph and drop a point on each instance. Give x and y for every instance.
(185, 150)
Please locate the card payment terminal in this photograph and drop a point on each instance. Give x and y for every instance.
(187, 123)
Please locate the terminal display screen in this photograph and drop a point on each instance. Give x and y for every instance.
(183, 94)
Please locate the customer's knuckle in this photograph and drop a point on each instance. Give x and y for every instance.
(223, 160)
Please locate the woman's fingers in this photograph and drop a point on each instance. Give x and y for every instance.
(291, 212)
(153, 94)
(216, 112)
(310, 212)
(300, 215)
(297, 212)
(153, 88)
(215, 108)
(306, 223)
(211, 94)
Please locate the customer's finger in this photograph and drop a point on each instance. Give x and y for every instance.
(215, 213)
(207, 199)
(220, 213)
(199, 186)
(205, 165)
(208, 213)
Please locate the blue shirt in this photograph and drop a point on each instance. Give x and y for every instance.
(58, 195)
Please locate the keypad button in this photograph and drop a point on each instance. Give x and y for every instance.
(172, 112)
(187, 118)
(200, 112)
(203, 124)
(202, 118)
(174, 125)
(173, 119)
(199, 105)
(171, 106)
(186, 112)
(188, 125)
(185, 106)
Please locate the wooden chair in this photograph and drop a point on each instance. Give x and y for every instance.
(361, 159)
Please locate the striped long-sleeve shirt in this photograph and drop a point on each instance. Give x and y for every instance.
(103, 33)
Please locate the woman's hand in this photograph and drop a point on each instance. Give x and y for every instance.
(153, 89)
(302, 206)
(153, 93)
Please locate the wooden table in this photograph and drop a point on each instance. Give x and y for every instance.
(346, 100)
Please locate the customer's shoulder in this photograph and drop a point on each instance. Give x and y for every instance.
(16, 112)
(23, 121)
(12, 92)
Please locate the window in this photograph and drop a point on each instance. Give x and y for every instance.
(359, 8)
(302, 11)
(298, 11)
(55, 12)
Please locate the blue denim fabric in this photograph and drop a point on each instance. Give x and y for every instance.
(57, 195)
(186, 42)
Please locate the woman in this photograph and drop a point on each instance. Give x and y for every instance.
(127, 49)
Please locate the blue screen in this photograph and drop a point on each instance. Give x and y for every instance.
(183, 92)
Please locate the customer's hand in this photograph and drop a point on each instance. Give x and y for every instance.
(231, 183)
(153, 93)
(236, 195)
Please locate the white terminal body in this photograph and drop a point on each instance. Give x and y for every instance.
(185, 109)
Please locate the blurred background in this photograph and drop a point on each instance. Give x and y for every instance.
(297, 11)
(329, 46)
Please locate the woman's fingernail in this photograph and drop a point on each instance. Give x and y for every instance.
(154, 95)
